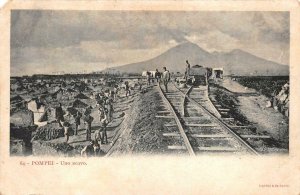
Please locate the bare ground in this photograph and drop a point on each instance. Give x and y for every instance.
(266, 120)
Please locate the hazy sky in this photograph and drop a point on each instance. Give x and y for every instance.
(73, 41)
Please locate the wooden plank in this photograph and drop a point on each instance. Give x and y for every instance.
(170, 125)
(198, 135)
(177, 147)
(224, 112)
(158, 116)
(210, 136)
(171, 134)
(240, 127)
(201, 125)
(217, 149)
(217, 105)
(223, 109)
(256, 136)
(228, 118)
(195, 117)
(164, 111)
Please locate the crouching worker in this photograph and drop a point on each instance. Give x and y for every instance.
(93, 149)
(97, 135)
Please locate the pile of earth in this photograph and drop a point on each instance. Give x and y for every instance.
(48, 132)
(21, 117)
(142, 131)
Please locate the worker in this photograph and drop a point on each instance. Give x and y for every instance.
(127, 89)
(110, 109)
(59, 115)
(140, 84)
(148, 74)
(157, 76)
(77, 122)
(97, 135)
(187, 70)
(88, 122)
(166, 78)
(103, 125)
(92, 149)
(115, 92)
(67, 130)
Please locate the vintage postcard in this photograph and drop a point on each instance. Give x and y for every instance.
(150, 97)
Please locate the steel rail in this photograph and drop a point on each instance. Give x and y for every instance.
(179, 125)
(221, 123)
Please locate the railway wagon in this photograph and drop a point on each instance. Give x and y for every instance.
(197, 75)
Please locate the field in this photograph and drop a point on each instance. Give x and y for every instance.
(265, 85)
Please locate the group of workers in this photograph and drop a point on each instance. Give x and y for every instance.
(104, 105)
(164, 77)
(105, 109)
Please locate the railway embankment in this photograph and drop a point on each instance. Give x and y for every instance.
(250, 107)
(142, 132)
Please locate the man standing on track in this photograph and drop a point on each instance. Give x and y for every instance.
(166, 78)
(157, 76)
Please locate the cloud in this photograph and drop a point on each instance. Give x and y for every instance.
(41, 39)
(214, 41)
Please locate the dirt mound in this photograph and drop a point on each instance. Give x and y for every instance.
(48, 132)
(81, 96)
(22, 118)
(79, 104)
(142, 131)
(16, 99)
(40, 148)
(72, 111)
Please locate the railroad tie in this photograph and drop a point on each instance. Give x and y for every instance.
(195, 117)
(202, 125)
(256, 136)
(162, 116)
(170, 125)
(164, 111)
(177, 147)
(223, 109)
(241, 127)
(228, 118)
(217, 149)
(198, 135)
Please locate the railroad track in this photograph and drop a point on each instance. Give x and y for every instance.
(194, 121)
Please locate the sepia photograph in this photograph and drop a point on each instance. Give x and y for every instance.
(150, 97)
(113, 83)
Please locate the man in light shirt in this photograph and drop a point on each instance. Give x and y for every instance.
(166, 78)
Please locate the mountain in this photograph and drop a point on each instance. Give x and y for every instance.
(236, 62)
